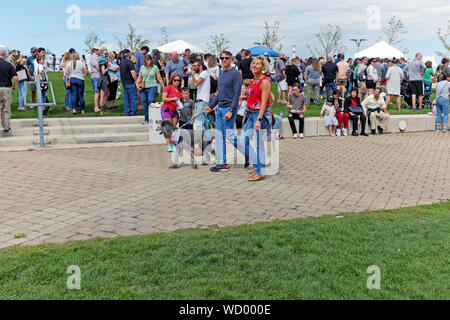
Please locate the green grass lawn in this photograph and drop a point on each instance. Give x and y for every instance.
(60, 111)
(316, 258)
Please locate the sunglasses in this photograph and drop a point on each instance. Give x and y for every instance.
(224, 58)
(176, 80)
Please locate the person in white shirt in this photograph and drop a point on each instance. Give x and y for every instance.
(376, 111)
(202, 81)
(372, 77)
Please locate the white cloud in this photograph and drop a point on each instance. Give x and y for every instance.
(242, 21)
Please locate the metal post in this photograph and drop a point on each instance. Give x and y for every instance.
(40, 109)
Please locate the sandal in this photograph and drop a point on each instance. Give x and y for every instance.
(256, 177)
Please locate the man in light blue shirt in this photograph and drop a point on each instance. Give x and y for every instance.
(175, 65)
(415, 70)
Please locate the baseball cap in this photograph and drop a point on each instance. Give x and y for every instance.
(330, 99)
(95, 48)
(156, 51)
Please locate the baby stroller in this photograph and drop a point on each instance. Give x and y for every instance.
(405, 94)
(427, 103)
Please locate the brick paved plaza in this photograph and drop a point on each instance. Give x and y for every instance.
(78, 194)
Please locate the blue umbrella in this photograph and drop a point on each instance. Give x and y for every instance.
(264, 51)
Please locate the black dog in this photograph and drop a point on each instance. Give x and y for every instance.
(184, 140)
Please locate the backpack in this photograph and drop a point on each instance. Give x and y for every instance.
(362, 77)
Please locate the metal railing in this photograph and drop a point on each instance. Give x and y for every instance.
(41, 105)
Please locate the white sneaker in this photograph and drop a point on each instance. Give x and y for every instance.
(301, 135)
(344, 132)
(295, 135)
(338, 132)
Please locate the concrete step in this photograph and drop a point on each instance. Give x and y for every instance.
(75, 146)
(78, 121)
(78, 129)
(31, 141)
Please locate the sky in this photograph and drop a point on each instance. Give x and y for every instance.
(240, 21)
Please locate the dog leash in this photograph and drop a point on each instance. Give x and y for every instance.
(190, 121)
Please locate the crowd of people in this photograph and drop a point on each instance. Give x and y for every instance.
(204, 91)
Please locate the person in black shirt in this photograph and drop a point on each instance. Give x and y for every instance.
(244, 67)
(292, 73)
(128, 77)
(7, 72)
(329, 71)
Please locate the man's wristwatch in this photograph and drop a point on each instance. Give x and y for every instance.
(259, 119)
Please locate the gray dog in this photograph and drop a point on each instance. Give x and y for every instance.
(184, 140)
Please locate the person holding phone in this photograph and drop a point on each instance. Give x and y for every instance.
(297, 108)
(171, 94)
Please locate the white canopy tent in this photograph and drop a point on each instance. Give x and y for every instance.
(179, 46)
(380, 50)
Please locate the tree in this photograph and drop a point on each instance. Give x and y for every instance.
(133, 41)
(271, 39)
(218, 44)
(394, 31)
(328, 42)
(165, 35)
(444, 37)
(92, 40)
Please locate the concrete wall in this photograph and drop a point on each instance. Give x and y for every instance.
(314, 126)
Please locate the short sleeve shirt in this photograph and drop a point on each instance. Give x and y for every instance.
(149, 75)
(171, 93)
(126, 66)
(342, 70)
(7, 72)
(297, 102)
(95, 73)
(279, 67)
(188, 109)
(203, 90)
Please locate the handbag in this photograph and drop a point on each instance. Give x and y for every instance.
(142, 83)
(22, 74)
(68, 85)
(355, 109)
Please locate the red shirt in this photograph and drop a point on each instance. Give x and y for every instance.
(171, 93)
(254, 94)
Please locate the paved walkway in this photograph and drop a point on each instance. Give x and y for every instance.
(79, 194)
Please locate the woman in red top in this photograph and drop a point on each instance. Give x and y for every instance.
(259, 116)
(171, 93)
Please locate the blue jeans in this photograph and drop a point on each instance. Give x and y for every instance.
(224, 129)
(442, 108)
(67, 97)
(200, 122)
(258, 158)
(77, 93)
(148, 95)
(329, 88)
(130, 94)
(277, 123)
(22, 93)
(94, 82)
